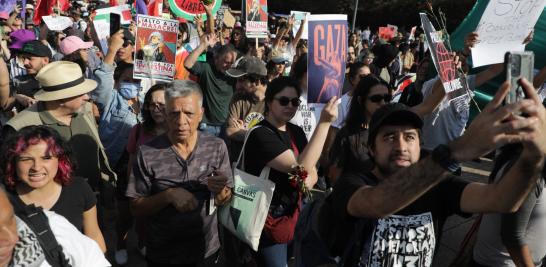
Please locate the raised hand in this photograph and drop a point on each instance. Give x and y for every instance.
(329, 113)
(495, 126)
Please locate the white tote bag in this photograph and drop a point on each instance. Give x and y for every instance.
(245, 215)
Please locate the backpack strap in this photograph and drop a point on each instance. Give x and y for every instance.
(38, 222)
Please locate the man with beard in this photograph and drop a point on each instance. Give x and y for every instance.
(20, 93)
(217, 86)
(247, 106)
(400, 207)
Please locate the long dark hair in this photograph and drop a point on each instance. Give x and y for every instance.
(356, 116)
(148, 123)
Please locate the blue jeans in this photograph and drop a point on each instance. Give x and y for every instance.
(215, 130)
(273, 255)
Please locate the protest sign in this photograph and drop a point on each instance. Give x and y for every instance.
(256, 18)
(57, 23)
(327, 57)
(155, 48)
(386, 33)
(453, 80)
(229, 19)
(503, 27)
(187, 9)
(394, 28)
(124, 11)
(299, 16)
(101, 25)
(412, 33)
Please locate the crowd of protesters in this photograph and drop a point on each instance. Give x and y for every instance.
(98, 154)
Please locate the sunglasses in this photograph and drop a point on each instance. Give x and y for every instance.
(127, 43)
(250, 78)
(377, 98)
(283, 100)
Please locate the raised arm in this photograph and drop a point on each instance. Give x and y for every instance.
(206, 41)
(210, 17)
(432, 101)
(6, 101)
(489, 130)
(511, 191)
(299, 33)
(311, 154)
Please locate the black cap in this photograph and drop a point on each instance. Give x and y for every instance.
(392, 114)
(36, 48)
(248, 65)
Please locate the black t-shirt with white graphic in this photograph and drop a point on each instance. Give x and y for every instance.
(407, 238)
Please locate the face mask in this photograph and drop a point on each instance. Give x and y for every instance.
(128, 90)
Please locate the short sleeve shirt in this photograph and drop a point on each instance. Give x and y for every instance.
(265, 144)
(411, 235)
(250, 111)
(217, 92)
(175, 237)
(75, 199)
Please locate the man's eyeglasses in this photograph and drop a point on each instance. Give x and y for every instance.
(283, 100)
(377, 98)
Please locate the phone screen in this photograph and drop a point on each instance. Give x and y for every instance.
(115, 23)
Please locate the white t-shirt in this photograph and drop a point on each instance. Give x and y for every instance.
(448, 121)
(343, 110)
(307, 116)
(81, 250)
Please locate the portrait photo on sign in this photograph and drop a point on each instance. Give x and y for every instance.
(256, 10)
(155, 48)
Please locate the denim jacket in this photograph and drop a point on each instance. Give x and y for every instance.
(116, 116)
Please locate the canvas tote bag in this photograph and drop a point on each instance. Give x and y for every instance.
(247, 211)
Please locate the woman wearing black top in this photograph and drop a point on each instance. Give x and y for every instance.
(281, 146)
(350, 151)
(36, 167)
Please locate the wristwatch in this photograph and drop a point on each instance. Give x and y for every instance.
(442, 155)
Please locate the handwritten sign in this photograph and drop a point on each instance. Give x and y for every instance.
(327, 57)
(155, 48)
(57, 23)
(453, 81)
(503, 27)
(299, 16)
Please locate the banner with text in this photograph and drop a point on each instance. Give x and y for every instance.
(155, 48)
(503, 27)
(188, 9)
(327, 57)
(453, 80)
(256, 18)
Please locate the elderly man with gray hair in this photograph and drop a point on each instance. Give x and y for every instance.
(178, 179)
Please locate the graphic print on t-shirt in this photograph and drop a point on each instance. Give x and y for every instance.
(403, 241)
(252, 119)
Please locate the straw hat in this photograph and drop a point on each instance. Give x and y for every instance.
(61, 80)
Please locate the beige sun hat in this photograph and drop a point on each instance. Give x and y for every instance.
(61, 80)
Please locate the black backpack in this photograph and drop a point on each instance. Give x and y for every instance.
(37, 221)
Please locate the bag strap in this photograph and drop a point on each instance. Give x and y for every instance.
(241, 154)
(38, 222)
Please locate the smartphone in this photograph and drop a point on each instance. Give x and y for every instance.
(518, 65)
(115, 23)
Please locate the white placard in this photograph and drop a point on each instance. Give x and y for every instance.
(57, 23)
(123, 10)
(101, 25)
(503, 27)
(298, 16)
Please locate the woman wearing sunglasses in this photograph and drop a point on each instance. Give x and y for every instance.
(350, 149)
(282, 146)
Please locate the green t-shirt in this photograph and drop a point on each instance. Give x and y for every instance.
(217, 92)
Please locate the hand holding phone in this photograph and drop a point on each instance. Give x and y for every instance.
(115, 23)
(518, 65)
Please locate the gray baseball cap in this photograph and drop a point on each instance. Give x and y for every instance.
(248, 65)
